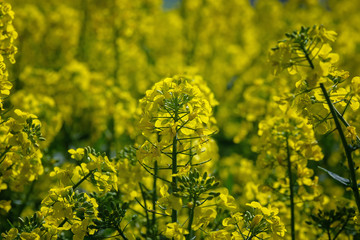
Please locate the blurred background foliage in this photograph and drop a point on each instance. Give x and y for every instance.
(82, 66)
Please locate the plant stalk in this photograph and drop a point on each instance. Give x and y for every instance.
(121, 233)
(174, 164)
(348, 150)
(291, 185)
(82, 180)
(2, 156)
(307, 57)
(191, 218)
(174, 178)
(154, 198)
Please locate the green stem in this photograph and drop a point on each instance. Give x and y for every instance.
(154, 198)
(343, 227)
(342, 119)
(191, 218)
(62, 223)
(174, 162)
(238, 227)
(146, 209)
(82, 180)
(307, 57)
(347, 148)
(7, 149)
(174, 178)
(328, 233)
(121, 233)
(190, 154)
(291, 185)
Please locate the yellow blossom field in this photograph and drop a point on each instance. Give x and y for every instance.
(179, 119)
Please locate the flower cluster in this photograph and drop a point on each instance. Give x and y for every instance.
(257, 222)
(322, 95)
(7, 47)
(174, 109)
(307, 53)
(65, 208)
(20, 157)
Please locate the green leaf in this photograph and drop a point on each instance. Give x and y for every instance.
(341, 180)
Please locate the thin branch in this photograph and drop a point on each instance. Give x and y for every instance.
(153, 174)
(347, 148)
(292, 206)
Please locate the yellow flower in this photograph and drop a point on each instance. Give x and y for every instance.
(227, 200)
(219, 235)
(29, 236)
(169, 201)
(79, 229)
(272, 224)
(326, 35)
(77, 154)
(256, 220)
(11, 234)
(355, 83)
(64, 174)
(351, 133)
(5, 205)
(202, 217)
(174, 231)
(62, 210)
